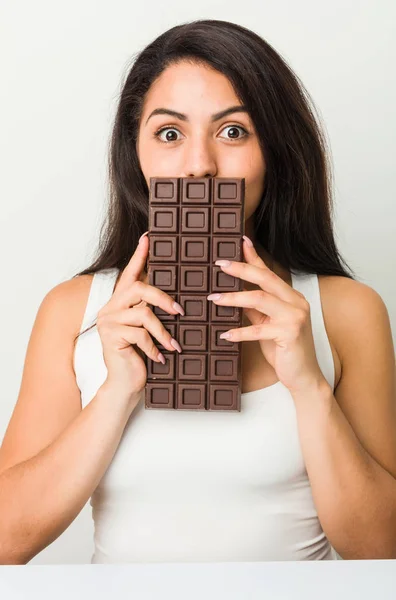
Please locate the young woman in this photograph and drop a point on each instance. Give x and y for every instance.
(308, 466)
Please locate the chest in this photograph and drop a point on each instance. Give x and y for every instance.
(180, 453)
(258, 374)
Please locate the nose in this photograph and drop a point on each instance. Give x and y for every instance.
(199, 160)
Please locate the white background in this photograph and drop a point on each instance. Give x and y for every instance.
(61, 68)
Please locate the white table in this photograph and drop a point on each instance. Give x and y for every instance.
(305, 580)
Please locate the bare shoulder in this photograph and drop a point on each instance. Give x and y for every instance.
(73, 295)
(343, 298)
(346, 305)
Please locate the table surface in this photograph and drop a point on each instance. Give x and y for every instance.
(305, 580)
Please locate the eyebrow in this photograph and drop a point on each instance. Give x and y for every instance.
(182, 117)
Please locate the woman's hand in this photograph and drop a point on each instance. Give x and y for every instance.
(280, 318)
(126, 324)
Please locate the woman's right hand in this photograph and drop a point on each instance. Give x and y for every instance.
(126, 321)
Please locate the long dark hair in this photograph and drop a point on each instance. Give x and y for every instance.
(293, 221)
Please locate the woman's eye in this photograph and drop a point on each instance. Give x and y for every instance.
(171, 136)
(233, 129)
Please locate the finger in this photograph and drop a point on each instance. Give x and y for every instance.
(144, 317)
(265, 331)
(254, 316)
(262, 276)
(251, 255)
(140, 337)
(134, 268)
(259, 299)
(140, 291)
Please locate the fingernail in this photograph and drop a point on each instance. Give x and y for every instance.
(223, 263)
(161, 357)
(142, 236)
(248, 241)
(179, 308)
(214, 297)
(225, 336)
(176, 345)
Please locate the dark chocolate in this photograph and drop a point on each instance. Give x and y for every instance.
(193, 223)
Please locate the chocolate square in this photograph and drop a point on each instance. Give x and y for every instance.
(195, 190)
(195, 219)
(223, 367)
(193, 337)
(227, 191)
(227, 219)
(224, 397)
(191, 396)
(226, 247)
(156, 370)
(223, 282)
(192, 367)
(193, 278)
(194, 249)
(160, 395)
(163, 219)
(195, 307)
(164, 190)
(163, 277)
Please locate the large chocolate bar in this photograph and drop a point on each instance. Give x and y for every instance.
(192, 223)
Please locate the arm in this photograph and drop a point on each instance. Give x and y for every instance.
(349, 439)
(40, 497)
(54, 453)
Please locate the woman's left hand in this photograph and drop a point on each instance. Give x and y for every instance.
(280, 318)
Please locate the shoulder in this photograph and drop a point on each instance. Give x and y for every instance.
(348, 297)
(349, 308)
(68, 301)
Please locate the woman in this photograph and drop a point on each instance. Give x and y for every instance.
(308, 466)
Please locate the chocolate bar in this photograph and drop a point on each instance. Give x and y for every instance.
(193, 222)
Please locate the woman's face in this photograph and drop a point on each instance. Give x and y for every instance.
(192, 144)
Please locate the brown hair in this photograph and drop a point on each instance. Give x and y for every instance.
(293, 221)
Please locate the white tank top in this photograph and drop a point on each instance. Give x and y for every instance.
(205, 486)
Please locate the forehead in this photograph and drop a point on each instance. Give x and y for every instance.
(190, 86)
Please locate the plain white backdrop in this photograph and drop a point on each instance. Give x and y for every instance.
(62, 64)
